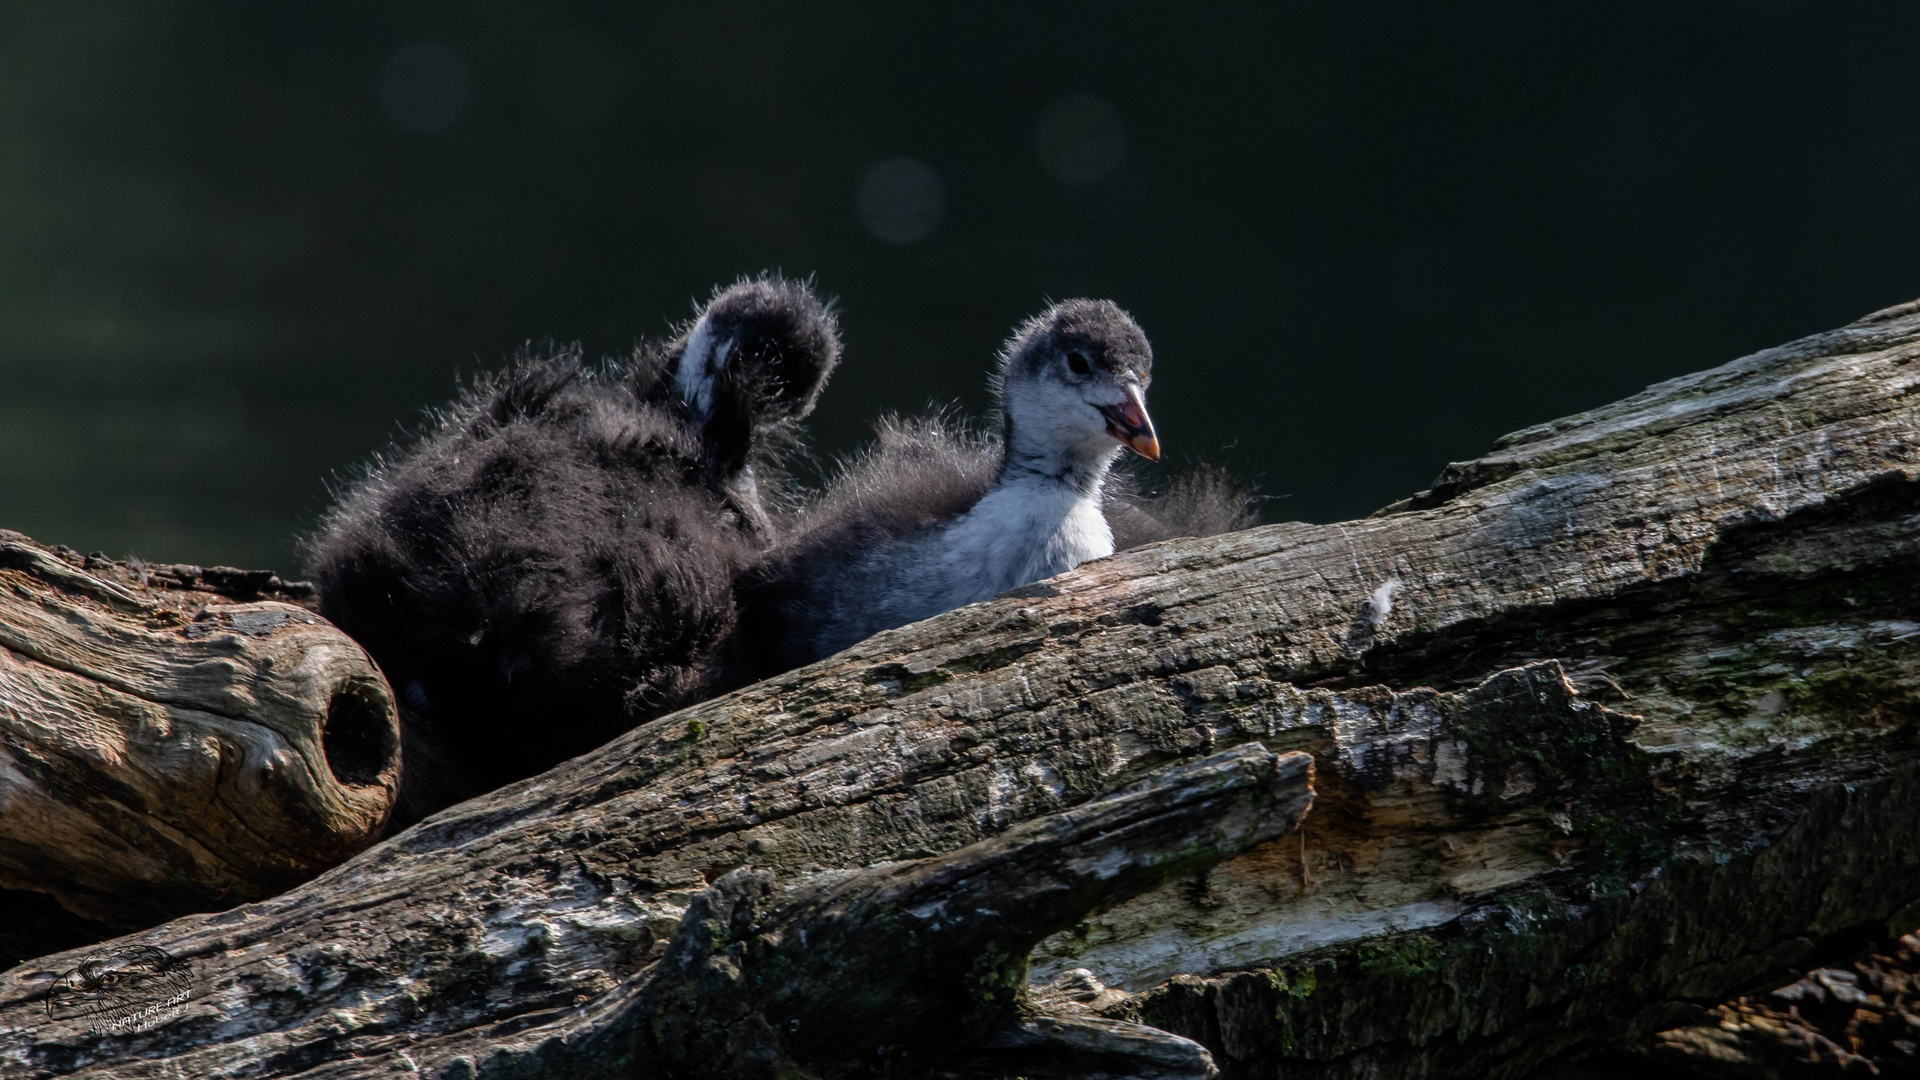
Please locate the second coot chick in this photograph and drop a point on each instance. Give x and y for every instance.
(933, 518)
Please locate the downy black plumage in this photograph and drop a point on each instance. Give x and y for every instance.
(554, 561)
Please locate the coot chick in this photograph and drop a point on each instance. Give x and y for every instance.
(554, 561)
(934, 517)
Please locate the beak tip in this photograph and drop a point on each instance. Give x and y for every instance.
(1128, 423)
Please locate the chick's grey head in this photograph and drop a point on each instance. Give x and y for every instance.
(1073, 382)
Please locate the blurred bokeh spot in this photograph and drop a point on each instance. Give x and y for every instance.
(901, 200)
(425, 86)
(1082, 142)
(243, 246)
(1081, 139)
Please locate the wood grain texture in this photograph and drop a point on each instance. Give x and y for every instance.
(916, 965)
(1637, 733)
(164, 749)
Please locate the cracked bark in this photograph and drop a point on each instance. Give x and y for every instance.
(175, 739)
(1636, 735)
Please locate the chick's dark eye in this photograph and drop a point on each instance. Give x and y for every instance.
(1077, 363)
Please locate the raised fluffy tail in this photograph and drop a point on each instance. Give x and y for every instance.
(752, 364)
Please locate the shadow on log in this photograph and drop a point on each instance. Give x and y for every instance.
(1636, 734)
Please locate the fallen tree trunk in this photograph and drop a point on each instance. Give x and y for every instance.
(1634, 733)
(912, 965)
(174, 739)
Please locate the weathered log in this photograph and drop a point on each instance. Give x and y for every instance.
(909, 964)
(166, 749)
(1635, 733)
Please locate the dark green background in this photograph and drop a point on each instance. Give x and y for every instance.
(1373, 236)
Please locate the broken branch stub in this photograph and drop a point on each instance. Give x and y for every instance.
(167, 750)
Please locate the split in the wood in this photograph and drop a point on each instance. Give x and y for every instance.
(916, 965)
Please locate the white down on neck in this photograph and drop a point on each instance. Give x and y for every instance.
(1041, 517)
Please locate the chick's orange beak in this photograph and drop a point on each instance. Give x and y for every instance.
(1128, 422)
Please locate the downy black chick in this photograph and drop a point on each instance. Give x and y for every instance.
(554, 562)
(933, 516)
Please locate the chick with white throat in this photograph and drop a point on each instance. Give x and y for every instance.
(1071, 387)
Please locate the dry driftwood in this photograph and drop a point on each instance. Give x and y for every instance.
(1635, 733)
(165, 748)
